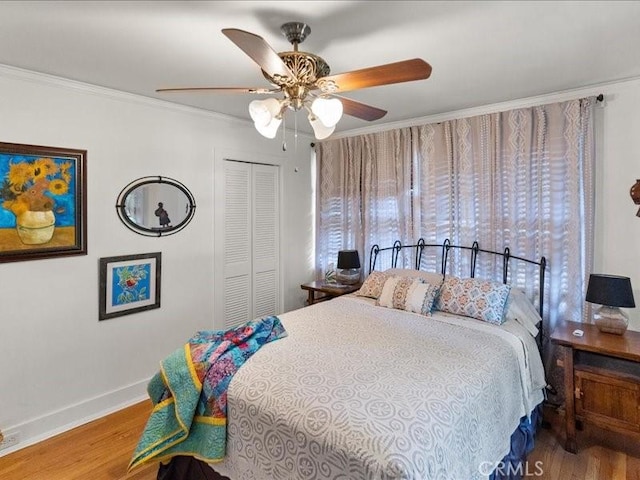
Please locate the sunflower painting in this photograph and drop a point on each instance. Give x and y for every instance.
(41, 202)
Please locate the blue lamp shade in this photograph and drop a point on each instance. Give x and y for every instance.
(348, 267)
(611, 292)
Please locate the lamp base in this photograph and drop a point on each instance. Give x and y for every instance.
(611, 320)
(348, 276)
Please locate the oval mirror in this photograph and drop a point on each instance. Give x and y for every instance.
(155, 206)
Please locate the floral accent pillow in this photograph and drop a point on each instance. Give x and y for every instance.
(372, 286)
(472, 297)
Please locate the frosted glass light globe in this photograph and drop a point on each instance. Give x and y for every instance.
(263, 111)
(320, 130)
(328, 110)
(270, 129)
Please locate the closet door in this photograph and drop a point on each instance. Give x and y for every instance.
(265, 248)
(237, 244)
(251, 242)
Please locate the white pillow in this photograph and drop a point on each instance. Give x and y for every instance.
(520, 309)
(421, 297)
(430, 277)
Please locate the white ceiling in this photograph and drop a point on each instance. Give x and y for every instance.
(481, 52)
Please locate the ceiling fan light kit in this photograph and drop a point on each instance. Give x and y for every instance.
(328, 110)
(320, 130)
(266, 115)
(305, 81)
(270, 129)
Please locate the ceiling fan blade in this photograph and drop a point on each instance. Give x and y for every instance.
(259, 50)
(221, 89)
(361, 110)
(398, 72)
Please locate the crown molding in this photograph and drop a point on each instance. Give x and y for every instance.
(492, 108)
(9, 71)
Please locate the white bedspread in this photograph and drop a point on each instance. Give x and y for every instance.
(358, 391)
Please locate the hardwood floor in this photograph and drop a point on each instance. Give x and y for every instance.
(601, 455)
(101, 450)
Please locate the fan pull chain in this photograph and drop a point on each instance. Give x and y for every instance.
(295, 133)
(284, 138)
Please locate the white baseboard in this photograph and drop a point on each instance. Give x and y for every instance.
(62, 420)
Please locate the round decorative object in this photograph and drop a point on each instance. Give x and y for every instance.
(635, 194)
(155, 206)
(35, 228)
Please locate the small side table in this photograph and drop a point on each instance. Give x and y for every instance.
(607, 396)
(326, 291)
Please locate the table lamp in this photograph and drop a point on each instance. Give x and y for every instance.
(348, 267)
(611, 292)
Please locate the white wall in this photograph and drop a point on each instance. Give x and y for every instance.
(617, 226)
(59, 365)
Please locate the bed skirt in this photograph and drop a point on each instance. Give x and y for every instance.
(512, 467)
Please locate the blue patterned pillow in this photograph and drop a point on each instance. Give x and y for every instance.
(472, 297)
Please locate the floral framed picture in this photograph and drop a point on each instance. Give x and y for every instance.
(43, 202)
(129, 284)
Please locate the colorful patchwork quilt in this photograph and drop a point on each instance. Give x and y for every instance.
(189, 393)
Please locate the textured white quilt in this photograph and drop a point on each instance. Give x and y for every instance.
(358, 391)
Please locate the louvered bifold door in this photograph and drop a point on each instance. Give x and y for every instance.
(251, 242)
(265, 248)
(238, 295)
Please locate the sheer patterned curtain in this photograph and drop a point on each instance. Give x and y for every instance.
(521, 179)
(364, 194)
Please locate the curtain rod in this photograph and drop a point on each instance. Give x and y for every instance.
(599, 98)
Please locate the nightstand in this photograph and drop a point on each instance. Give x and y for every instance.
(327, 291)
(601, 379)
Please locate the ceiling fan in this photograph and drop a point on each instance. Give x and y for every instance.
(305, 81)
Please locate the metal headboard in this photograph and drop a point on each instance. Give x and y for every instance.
(474, 250)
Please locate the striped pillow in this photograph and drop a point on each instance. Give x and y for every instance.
(409, 294)
(394, 292)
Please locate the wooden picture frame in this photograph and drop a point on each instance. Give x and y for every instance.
(129, 284)
(43, 202)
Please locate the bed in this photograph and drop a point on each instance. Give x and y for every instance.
(362, 389)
